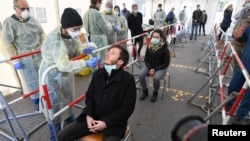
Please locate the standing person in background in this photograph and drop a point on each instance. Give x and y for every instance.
(96, 26)
(59, 47)
(159, 18)
(123, 32)
(125, 12)
(113, 20)
(226, 22)
(135, 26)
(195, 22)
(157, 60)
(171, 19)
(183, 18)
(203, 22)
(22, 33)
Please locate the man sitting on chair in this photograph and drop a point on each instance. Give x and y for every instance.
(110, 101)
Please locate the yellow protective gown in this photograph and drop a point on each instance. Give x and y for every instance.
(58, 51)
(22, 37)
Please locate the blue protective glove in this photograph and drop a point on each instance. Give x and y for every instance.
(92, 62)
(88, 50)
(17, 65)
(116, 28)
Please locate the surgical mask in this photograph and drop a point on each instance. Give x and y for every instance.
(109, 68)
(116, 13)
(108, 10)
(135, 11)
(247, 5)
(198, 8)
(73, 34)
(25, 14)
(155, 41)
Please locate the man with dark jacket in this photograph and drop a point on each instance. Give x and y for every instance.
(195, 22)
(135, 26)
(110, 100)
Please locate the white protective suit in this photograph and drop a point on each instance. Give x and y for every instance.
(22, 37)
(113, 20)
(97, 27)
(123, 32)
(58, 51)
(159, 19)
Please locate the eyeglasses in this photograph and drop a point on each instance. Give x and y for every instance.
(22, 9)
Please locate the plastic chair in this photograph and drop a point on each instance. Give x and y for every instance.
(166, 77)
(98, 136)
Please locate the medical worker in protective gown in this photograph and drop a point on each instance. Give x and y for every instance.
(122, 34)
(59, 47)
(97, 27)
(22, 33)
(113, 20)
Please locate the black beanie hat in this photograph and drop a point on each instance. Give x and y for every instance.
(70, 18)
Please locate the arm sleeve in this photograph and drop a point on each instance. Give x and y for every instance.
(63, 63)
(105, 26)
(146, 60)
(124, 25)
(89, 101)
(8, 38)
(166, 60)
(127, 108)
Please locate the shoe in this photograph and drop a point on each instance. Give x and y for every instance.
(190, 39)
(154, 97)
(144, 95)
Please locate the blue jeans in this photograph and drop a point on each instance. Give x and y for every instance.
(236, 84)
(194, 30)
(58, 127)
(156, 78)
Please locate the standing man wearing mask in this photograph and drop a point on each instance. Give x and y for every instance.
(159, 18)
(203, 22)
(135, 26)
(59, 47)
(113, 20)
(195, 22)
(97, 27)
(22, 33)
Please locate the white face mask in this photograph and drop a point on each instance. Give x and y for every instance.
(155, 41)
(108, 10)
(116, 13)
(109, 68)
(25, 14)
(73, 34)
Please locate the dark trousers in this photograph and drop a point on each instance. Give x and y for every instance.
(223, 29)
(202, 25)
(77, 130)
(138, 41)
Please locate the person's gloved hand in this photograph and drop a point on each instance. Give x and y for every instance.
(17, 65)
(116, 28)
(92, 62)
(88, 50)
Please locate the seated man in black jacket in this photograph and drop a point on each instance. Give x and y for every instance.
(110, 101)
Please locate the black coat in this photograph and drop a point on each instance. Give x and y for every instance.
(196, 17)
(226, 19)
(135, 24)
(110, 99)
(157, 60)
